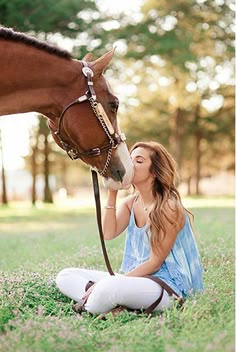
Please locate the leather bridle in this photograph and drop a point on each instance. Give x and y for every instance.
(114, 139)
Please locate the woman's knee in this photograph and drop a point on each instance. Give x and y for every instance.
(102, 297)
(69, 279)
(106, 287)
(61, 277)
(71, 283)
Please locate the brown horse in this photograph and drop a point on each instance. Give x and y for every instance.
(73, 95)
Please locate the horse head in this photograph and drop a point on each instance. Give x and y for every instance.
(88, 129)
(74, 96)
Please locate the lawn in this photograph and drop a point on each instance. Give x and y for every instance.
(36, 243)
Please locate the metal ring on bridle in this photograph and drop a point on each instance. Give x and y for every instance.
(87, 70)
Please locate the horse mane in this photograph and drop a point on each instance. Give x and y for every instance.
(10, 34)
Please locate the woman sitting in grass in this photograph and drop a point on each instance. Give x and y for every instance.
(159, 242)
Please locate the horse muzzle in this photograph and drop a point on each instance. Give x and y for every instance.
(121, 170)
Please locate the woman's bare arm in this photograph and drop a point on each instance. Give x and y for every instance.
(115, 221)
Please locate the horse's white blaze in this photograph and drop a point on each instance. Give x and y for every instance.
(123, 154)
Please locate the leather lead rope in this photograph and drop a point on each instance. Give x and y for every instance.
(99, 222)
(165, 287)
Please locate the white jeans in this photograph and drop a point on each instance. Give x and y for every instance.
(110, 291)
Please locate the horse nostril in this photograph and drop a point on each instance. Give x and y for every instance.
(117, 175)
(120, 178)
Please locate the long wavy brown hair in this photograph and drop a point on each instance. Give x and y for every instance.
(163, 168)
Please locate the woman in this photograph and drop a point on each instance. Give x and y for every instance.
(159, 242)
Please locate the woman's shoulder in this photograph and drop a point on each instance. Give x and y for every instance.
(129, 200)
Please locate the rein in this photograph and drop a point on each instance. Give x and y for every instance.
(99, 216)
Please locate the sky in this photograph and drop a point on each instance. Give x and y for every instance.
(15, 128)
(15, 138)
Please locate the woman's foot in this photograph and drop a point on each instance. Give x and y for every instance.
(114, 312)
(78, 308)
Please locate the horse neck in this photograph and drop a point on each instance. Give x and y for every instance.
(34, 80)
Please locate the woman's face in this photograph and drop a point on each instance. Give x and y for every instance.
(142, 162)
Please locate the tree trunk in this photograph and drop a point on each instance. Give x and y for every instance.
(176, 143)
(34, 172)
(47, 191)
(198, 139)
(198, 162)
(189, 186)
(4, 188)
(64, 174)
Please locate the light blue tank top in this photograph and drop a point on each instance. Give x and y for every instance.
(181, 270)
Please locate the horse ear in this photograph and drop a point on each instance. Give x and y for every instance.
(87, 57)
(98, 66)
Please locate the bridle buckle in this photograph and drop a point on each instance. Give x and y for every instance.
(73, 154)
(95, 152)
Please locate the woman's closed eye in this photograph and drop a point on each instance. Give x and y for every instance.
(138, 160)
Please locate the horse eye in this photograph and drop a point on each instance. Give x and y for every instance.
(114, 106)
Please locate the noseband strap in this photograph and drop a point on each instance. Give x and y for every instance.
(114, 139)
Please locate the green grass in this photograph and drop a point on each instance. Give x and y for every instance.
(37, 243)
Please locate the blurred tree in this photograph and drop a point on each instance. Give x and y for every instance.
(39, 159)
(44, 135)
(180, 75)
(69, 23)
(67, 174)
(34, 167)
(4, 189)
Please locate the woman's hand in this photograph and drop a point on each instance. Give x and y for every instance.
(116, 221)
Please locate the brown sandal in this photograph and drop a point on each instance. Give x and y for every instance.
(114, 312)
(78, 307)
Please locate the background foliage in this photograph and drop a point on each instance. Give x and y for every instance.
(173, 73)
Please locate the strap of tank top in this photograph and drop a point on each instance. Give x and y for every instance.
(132, 207)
